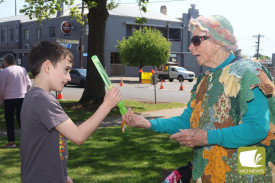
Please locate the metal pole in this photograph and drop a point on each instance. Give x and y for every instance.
(81, 38)
(154, 81)
(168, 24)
(15, 9)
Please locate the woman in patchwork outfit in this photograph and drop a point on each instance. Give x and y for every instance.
(232, 106)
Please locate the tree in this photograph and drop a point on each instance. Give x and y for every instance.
(262, 57)
(98, 13)
(146, 47)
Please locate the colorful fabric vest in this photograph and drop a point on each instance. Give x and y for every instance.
(219, 101)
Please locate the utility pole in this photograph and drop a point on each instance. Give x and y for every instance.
(258, 44)
(81, 39)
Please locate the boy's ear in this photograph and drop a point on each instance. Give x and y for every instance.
(46, 66)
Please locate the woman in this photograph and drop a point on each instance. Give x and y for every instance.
(231, 106)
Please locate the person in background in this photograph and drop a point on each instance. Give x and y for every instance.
(45, 125)
(1, 66)
(14, 83)
(231, 106)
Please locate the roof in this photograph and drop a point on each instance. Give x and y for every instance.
(133, 11)
(22, 18)
(121, 10)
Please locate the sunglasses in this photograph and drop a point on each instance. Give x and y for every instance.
(196, 40)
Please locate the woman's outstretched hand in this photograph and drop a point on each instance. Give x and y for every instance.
(134, 120)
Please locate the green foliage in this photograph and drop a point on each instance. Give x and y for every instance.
(142, 4)
(146, 47)
(42, 9)
(111, 5)
(141, 20)
(263, 57)
(30, 75)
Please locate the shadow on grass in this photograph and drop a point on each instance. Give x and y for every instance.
(109, 156)
(138, 155)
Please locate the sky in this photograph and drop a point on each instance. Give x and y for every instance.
(249, 18)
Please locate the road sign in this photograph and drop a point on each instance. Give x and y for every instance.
(66, 45)
(146, 77)
(67, 41)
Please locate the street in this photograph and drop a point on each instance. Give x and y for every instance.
(132, 90)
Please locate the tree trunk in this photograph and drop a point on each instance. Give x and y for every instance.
(94, 91)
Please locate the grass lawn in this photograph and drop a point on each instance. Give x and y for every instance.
(108, 156)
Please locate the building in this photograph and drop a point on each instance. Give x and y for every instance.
(19, 33)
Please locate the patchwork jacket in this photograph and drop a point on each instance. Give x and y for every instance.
(219, 100)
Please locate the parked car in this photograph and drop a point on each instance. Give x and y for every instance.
(78, 77)
(175, 72)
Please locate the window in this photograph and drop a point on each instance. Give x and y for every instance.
(2, 35)
(173, 58)
(11, 34)
(115, 58)
(26, 34)
(38, 33)
(163, 31)
(130, 29)
(174, 34)
(27, 46)
(52, 31)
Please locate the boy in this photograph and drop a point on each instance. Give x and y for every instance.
(45, 125)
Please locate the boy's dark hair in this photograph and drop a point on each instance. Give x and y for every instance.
(10, 59)
(46, 50)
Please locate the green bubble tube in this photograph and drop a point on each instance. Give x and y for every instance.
(108, 83)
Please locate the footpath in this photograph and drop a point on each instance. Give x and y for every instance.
(116, 120)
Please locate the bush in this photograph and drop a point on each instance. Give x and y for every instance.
(30, 75)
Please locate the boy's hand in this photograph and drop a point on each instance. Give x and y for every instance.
(191, 137)
(112, 97)
(69, 180)
(134, 120)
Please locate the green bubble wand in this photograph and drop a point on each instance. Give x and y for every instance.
(108, 83)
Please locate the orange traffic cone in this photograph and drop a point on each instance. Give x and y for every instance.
(121, 82)
(59, 95)
(181, 87)
(161, 86)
